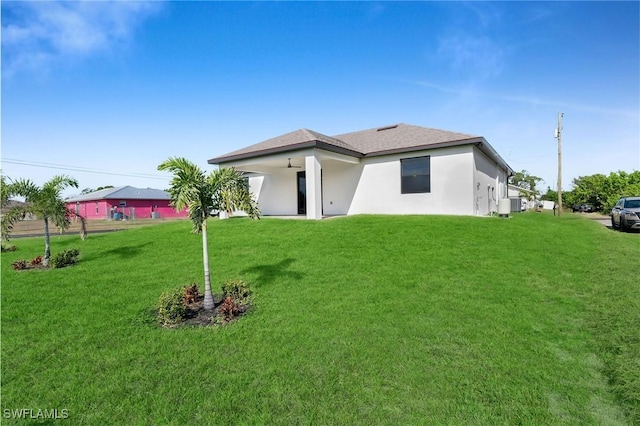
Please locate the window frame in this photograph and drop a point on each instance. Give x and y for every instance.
(410, 183)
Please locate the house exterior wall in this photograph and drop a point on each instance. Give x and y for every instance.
(489, 184)
(276, 192)
(339, 183)
(516, 192)
(379, 187)
(373, 186)
(94, 209)
(132, 209)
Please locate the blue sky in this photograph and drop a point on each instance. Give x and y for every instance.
(106, 91)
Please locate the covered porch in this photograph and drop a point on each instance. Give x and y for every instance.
(309, 183)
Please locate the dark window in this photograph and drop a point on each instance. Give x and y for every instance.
(416, 175)
(302, 193)
(631, 204)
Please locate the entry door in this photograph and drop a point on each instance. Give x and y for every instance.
(302, 193)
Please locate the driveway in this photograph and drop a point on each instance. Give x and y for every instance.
(605, 220)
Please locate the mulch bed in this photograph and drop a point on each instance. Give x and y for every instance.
(197, 316)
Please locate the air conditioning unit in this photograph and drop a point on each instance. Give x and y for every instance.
(504, 207)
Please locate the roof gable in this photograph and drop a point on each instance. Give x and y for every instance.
(298, 139)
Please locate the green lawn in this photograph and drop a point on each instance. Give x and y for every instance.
(360, 320)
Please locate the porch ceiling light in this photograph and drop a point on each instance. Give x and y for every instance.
(289, 166)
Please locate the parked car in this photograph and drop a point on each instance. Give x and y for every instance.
(583, 208)
(626, 214)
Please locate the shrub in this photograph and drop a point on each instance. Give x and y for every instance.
(20, 265)
(238, 290)
(178, 306)
(171, 307)
(230, 308)
(237, 298)
(191, 294)
(64, 258)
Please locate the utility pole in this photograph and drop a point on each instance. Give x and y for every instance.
(559, 137)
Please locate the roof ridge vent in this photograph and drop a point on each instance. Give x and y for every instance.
(386, 128)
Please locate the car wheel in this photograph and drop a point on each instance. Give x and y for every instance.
(613, 223)
(622, 226)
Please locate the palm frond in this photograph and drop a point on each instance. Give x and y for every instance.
(6, 190)
(59, 215)
(230, 192)
(25, 188)
(187, 182)
(223, 189)
(188, 190)
(71, 214)
(9, 218)
(59, 183)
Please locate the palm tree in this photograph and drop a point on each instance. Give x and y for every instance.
(46, 202)
(222, 190)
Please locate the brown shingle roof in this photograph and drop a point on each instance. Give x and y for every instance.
(298, 139)
(402, 137)
(365, 143)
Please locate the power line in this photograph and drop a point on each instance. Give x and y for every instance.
(79, 169)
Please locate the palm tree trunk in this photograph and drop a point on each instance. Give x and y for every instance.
(208, 296)
(47, 245)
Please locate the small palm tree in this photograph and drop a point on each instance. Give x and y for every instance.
(46, 202)
(222, 190)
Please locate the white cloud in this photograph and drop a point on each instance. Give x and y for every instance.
(630, 113)
(485, 13)
(477, 56)
(37, 34)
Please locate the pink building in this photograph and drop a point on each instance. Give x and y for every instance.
(124, 202)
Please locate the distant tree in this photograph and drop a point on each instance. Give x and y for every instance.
(526, 181)
(200, 194)
(86, 191)
(551, 195)
(103, 187)
(568, 198)
(46, 202)
(604, 191)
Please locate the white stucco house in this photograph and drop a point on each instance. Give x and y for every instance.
(398, 169)
(521, 198)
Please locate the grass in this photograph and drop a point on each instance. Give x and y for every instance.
(358, 320)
